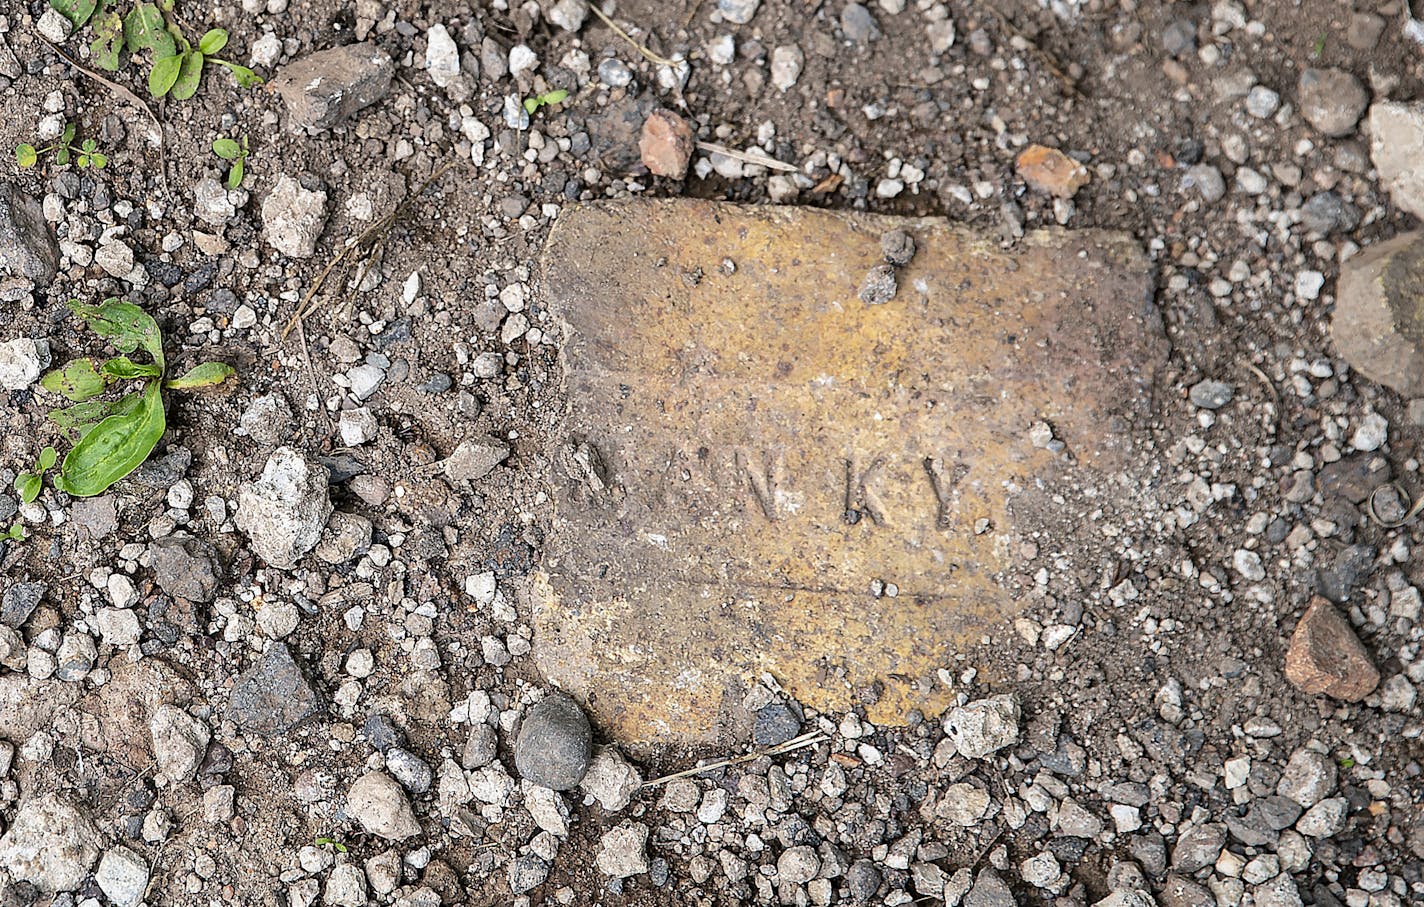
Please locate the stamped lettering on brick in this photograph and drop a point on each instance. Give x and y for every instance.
(754, 456)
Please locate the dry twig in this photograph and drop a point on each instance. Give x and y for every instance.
(363, 245)
(796, 743)
(762, 160)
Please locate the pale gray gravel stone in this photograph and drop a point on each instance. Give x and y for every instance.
(380, 805)
(122, 876)
(983, 727)
(284, 511)
(622, 851)
(51, 843)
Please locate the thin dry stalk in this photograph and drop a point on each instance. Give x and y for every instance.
(796, 743)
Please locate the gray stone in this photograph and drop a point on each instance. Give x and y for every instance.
(1308, 778)
(611, 779)
(1397, 149)
(268, 419)
(475, 458)
(273, 696)
(1199, 847)
(179, 743)
(442, 57)
(325, 88)
(28, 247)
(75, 657)
(1325, 818)
(210, 202)
(185, 567)
(1207, 180)
(989, 891)
(879, 286)
(1209, 394)
(1376, 325)
(569, 14)
(858, 24)
(775, 724)
(1180, 891)
(293, 218)
(984, 726)
(1134, 897)
(739, 12)
(480, 748)
(898, 247)
(798, 865)
(122, 876)
(527, 872)
(554, 746)
(51, 843)
(284, 511)
(345, 887)
(862, 881)
(1331, 100)
(623, 851)
(378, 803)
(1326, 213)
(409, 769)
(19, 603)
(21, 362)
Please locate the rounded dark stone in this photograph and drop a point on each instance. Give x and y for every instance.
(862, 880)
(555, 744)
(382, 733)
(775, 724)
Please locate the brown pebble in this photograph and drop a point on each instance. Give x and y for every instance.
(1051, 170)
(666, 144)
(1326, 656)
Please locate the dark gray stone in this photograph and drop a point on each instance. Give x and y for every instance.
(862, 880)
(382, 733)
(28, 247)
(273, 696)
(1340, 579)
(775, 724)
(1325, 213)
(185, 567)
(1354, 477)
(555, 744)
(324, 88)
(989, 891)
(898, 247)
(20, 602)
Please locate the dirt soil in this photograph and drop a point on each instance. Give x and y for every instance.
(1178, 597)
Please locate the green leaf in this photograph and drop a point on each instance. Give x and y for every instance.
(108, 40)
(25, 155)
(189, 75)
(214, 41)
(69, 130)
(61, 157)
(122, 368)
(125, 324)
(16, 533)
(163, 75)
(48, 457)
(82, 161)
(234, 175)
(89, 145)
(556, 97)
(531, 105)
(80, 418)
(76, 11)
(209, 374)
(100, 161)
(227, 149)
(145, 29)
(77, 380)
(29, 485)
(244, 77)
(114, 448)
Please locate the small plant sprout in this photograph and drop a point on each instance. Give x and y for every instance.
(16, 533)
(548, 98)
(30, 484)
(230, 150)
(85, 154)
(113, 437)
(335, 844)
(175, 66)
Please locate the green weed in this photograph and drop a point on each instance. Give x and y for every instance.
(85, 154)
(230, 150)
(557, 96)
(113, 437)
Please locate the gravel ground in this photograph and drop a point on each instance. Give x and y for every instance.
(288, 659)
